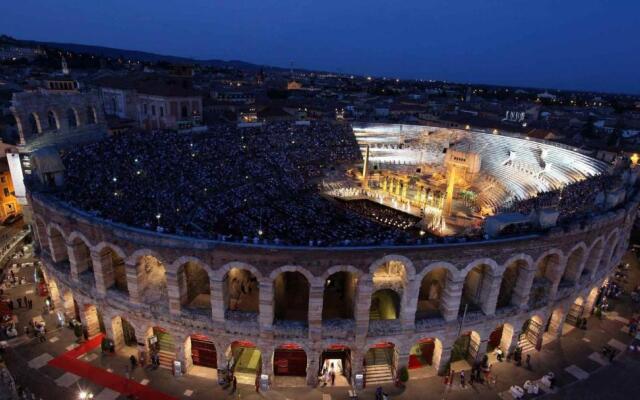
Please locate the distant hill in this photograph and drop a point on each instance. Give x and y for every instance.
(133, 54)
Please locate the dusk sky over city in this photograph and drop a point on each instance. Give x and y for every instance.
(585, 45)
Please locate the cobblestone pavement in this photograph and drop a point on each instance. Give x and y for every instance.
(27, 359)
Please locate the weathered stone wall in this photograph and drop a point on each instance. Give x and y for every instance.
(600, 243)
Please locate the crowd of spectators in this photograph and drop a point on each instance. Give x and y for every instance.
(573, 200)
(242, 184)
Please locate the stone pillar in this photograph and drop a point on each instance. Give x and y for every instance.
(482, 348)
(409, 305)
(133, 279)
(521, 292)
(103, 270)
(113, 326)
(58, 250)
(173, 292)
(143, 343)
(217, 300)
(313, 358)
(183, 352)
(267, 361)
(513, 343)
(437, 359)
(445, 358)
(73, 263)
(451, 297)
(363, 303)
(221, 357)
(265, 318)
(316, 292)
(556, 323)
(490, 292)
(357, 359)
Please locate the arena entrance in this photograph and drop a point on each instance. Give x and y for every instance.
(380, 363)
(339, 358)
(93, 320)
(124, 336)
(246, 361)
(162, 343)
(290, 365)
(576, 312)
(465, 351)
(204, 358)
(422, 356)
(532, 334)
(500, 338)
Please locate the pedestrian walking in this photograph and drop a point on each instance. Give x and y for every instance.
(30, 304)
(528, 361)
(462, 383)
(333, 378)
(451, 375)
(26, 330)
(133, 361)
(25, 300)
(19, 302)
(234, 384)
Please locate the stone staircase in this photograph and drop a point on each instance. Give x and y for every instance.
(378, 368)
(525, 344)
(166, 351)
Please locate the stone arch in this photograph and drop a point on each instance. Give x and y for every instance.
(546, 278)
(574, 264)
(339, 292)
(34, 126)
(73, 119)
(426, 351)
(92, 115)
(513, 281)
(478, 283)
(222, 271)
(240, 289)
(291, 289)
(151, 277)
(57, 243)
(385, 305)
(119, 252)
(80, 256)
(297, 356)
(53, 122)
(432, 283)
(466, 347)
(408, 265)
(193, 284)
(593, 259)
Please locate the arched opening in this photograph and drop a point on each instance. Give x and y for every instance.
(392, 274)
(195, 291)
(52, 121)
(83, 263)
(379, 363)
(475, 289)
(72, 118)
(33, 124)
(152, 280)
(336, 358)
(91, 115)
(124, 337)
(246, 361)
(338, 300)
(385, 305)
(70, 306)
(114, 271)
(500, 338)
(508, 284)
(57, 246)
(430, 294)
(203, 353)
(93, 320)
(464, 352)
(184, 113)
(290, 360)
(591, 263)
(241, 295)
(570, 275)
(532, 334)
(547, 273)
(576, 313)
(161, 342)
(291, 293)
(424, 358)
(556, 326)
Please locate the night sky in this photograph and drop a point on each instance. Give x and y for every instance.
(569, 44)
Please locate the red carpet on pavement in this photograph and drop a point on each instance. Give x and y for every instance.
(414, 362)
(70, 363)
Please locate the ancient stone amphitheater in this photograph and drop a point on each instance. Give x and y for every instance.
(271, 312)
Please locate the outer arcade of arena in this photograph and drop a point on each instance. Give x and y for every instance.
(277, 310)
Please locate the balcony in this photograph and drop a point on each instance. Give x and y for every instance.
(338, 328)
(290, 329)
(241, 322)
(384, 327)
